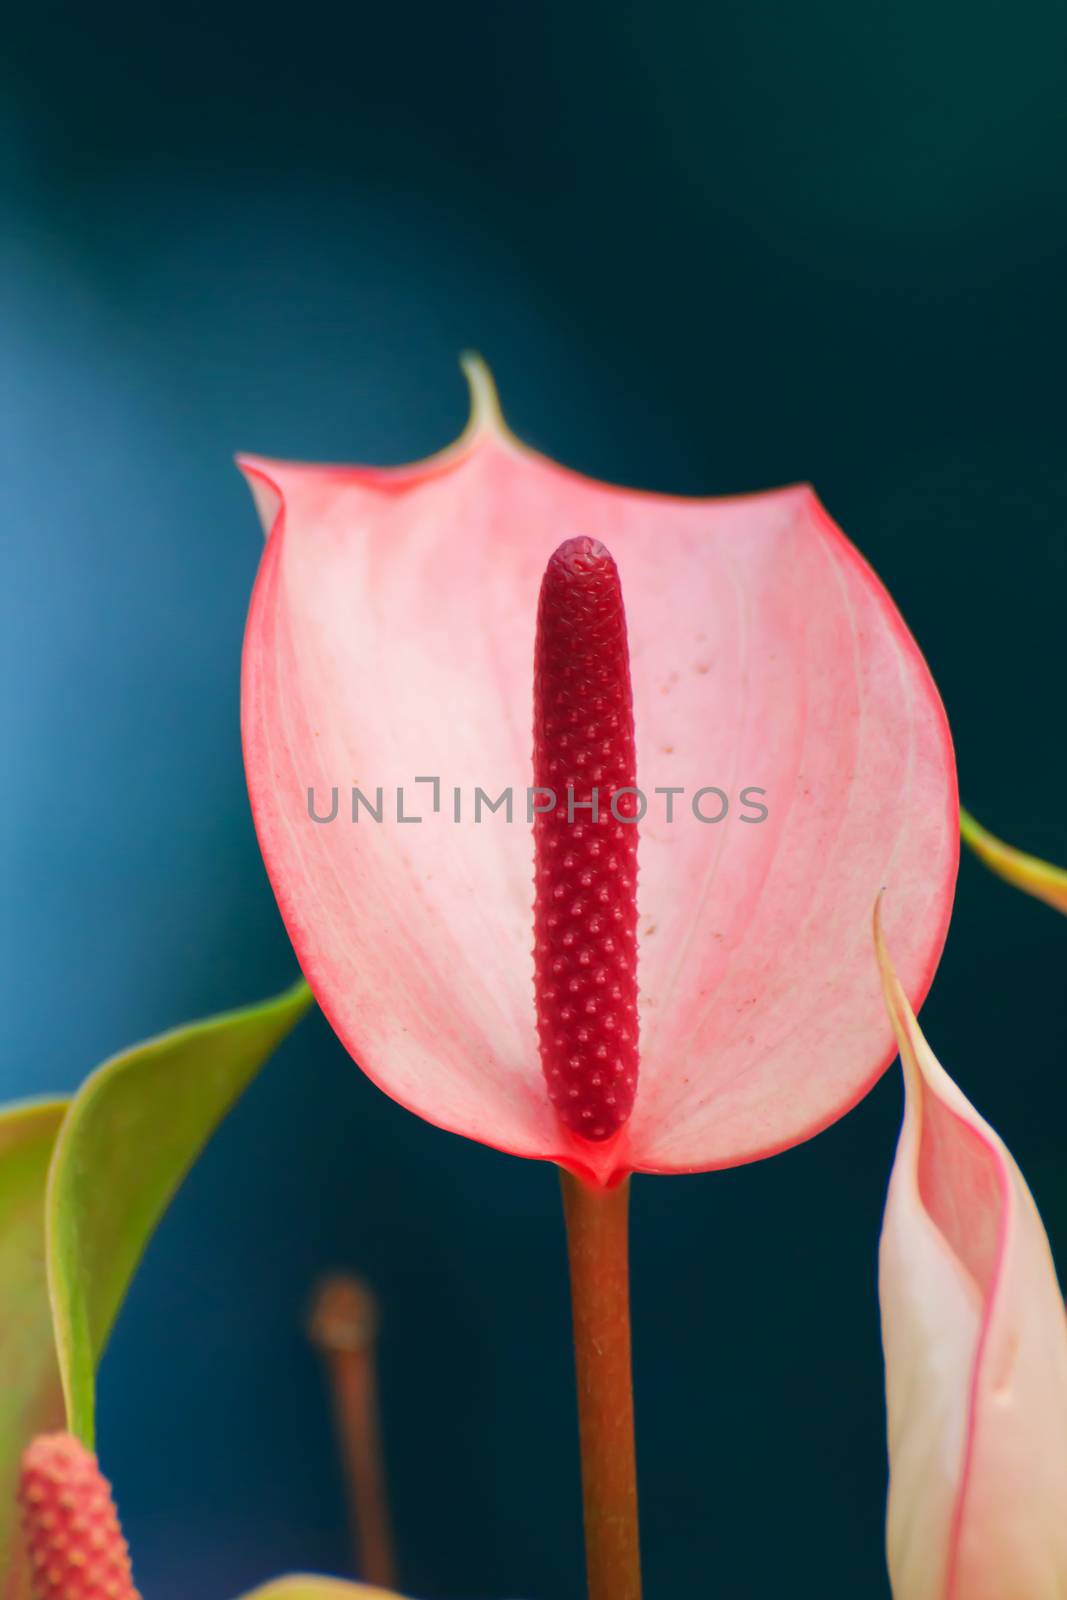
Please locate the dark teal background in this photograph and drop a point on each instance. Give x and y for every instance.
(705, 248)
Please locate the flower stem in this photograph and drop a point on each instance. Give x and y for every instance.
(597, 1222)
(344, 1326)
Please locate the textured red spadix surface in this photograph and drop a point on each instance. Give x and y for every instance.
(391, 637)
(76, 1547)
(585, 950)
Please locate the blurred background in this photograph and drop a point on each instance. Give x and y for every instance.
(705, 248)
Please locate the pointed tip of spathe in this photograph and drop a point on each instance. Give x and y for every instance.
(486, 413)
(876, 915)
(898, 1007)
(266, 492)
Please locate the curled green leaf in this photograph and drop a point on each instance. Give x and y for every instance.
(130, 1136)
(31, 1399)
(1028, 873)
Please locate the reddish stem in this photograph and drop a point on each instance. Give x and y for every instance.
(344, 1325)
(597, 1242)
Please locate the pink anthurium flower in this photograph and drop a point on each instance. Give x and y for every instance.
(976, 1353)
(789, 742)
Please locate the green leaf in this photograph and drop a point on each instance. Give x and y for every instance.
(31, 1399)
(302, 1587)
(1028, 873)
(132, 1132)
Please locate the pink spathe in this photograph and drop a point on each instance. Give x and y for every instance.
(391, 636)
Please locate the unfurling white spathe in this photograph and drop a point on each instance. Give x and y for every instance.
(975, 1341)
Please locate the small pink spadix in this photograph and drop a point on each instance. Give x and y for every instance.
(585, 843)
(75, 1544)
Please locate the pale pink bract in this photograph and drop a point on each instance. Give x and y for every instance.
(391, 636)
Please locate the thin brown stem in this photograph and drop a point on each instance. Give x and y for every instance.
(597, 1243)
(344, 1325)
